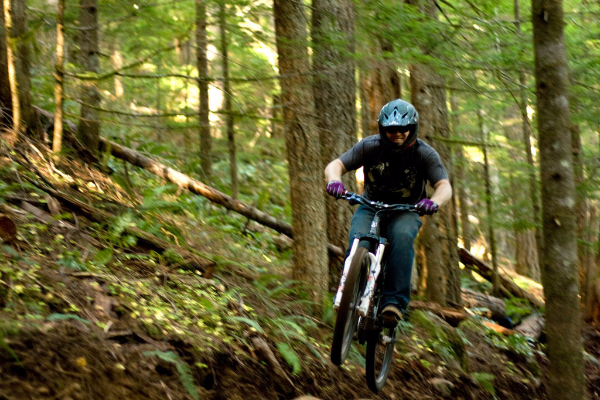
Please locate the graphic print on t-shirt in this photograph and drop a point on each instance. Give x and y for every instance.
(386, 179)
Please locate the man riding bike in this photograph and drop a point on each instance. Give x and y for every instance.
(397, 167)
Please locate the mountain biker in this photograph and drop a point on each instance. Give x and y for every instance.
(397, 167)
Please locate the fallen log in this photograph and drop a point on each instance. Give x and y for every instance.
(199, 188)
(451, 315)
(473, 299)
(532, 326)
(498, 328)
(192, 260)
(483, 269)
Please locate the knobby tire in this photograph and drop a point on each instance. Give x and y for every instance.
(379, 357)
(347, 315)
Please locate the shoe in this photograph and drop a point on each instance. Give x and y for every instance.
(391, 315)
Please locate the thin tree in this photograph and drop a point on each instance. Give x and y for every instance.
(460, 178)
(229, 122)
(335, 103)
(528, 259)
(489, 203)
(203, 112)
(5, 94)
(89, 126)
(583, 208)
(303, 149)
(566, 379)
(59, 78)
(429, 98)
(17, 52)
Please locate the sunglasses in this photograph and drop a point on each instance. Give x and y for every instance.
(397, 129)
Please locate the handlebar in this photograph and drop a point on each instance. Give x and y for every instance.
(354, 198)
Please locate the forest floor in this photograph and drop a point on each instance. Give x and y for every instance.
(87, 311)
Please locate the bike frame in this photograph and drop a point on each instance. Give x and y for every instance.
(374, 236)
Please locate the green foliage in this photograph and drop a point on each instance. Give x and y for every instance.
(486, 381)
(520, 307)
(248, 321)
(10, 351)
(290, 356)
(185, 373)
(441, 339)
(516, 343)
(104, 256)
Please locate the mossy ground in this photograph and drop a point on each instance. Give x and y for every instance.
(107, 318)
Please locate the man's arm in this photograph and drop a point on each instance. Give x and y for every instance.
(335, 170)
(442, 192)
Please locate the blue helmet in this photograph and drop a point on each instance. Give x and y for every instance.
(399, 113)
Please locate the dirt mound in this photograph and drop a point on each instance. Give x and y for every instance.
(66, 360)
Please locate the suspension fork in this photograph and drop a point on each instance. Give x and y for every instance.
(338, 296)
(369, 291)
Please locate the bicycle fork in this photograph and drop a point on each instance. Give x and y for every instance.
(367, 296)
(338, 296)
(375, 269)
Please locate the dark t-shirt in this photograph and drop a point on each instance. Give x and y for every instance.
(395, 177)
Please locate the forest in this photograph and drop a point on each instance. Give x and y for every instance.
(165, 232)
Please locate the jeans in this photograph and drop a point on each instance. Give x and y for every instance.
(400, 229)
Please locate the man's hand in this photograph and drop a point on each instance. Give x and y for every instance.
(427, 207)
(335, 188)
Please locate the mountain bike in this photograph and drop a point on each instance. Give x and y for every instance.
(358, 298)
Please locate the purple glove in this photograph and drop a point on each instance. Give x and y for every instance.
(335, 188)
(427, 207)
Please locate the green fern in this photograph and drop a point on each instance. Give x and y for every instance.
(248, 321)
(10, 351)
(185, 374)
(290, 356)
(486, 381)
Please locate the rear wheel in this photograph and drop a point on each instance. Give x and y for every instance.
(380, 353)
(347, 315)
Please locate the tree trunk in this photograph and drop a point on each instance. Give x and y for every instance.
(89, 126)
(527, 263)
(59, 78)
(5, 94)
(581, 212)
(227, 104)
(303, 149)
(379, 84)
(389, 78)
(365, 111)
(566, 379)
(460, 178)
(436, 282)
(533, 187)
(429, 98)
(592, 302)
(17, 51)
(202, 61)
(335, 105)
(117, 63)
(527, 255)
(529, 241)
(488, 200)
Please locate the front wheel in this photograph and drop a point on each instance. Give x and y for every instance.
(347, 315)
(380, 353)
